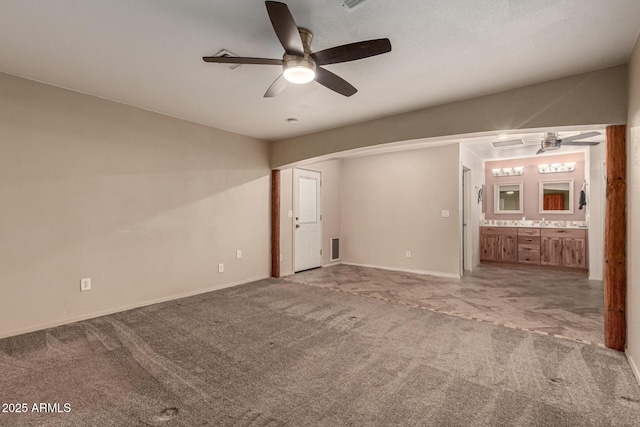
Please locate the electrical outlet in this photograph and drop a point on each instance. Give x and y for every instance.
(408, 254)
(239, 253)
(85, 284)
(220, 268)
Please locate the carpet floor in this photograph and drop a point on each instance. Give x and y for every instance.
(560, 303)
(275, 353)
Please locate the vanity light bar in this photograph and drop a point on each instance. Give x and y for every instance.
(557, 167)
(515, 171)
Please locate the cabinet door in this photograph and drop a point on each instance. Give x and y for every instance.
(507, 248)
(489, 248)
(551, 251)
(574, 253)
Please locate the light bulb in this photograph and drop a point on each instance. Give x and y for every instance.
(299, 70)
(299, 74)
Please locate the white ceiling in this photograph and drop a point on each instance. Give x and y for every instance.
(483, 146)
(147, 53)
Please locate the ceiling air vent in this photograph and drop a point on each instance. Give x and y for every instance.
(226, 54)
(510, 143)
(351, 4)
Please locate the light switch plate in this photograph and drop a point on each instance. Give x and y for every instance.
(445, 213)
(220, 268)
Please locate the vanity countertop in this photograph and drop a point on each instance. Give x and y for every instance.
(533, 224)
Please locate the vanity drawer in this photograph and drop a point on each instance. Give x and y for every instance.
(523, 248)
(570, 233)
(529, 240)
(498, 231)
(528, 231)
(529, 258)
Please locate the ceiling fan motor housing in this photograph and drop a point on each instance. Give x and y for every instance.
(300, 69)
(550, 141)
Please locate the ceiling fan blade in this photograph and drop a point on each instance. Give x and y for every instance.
(238, 60)
(285, 27)
(581, 136)
(541, 150)
(276, 87)
(333, 82)
(352, 51)
(580, 143)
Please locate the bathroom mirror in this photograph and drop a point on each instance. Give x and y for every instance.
(556, 197)
(508, 198)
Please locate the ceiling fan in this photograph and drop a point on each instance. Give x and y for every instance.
(299, 64)
(550, 141)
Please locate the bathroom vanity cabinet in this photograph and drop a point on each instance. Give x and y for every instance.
(554, 247)
(498, 244)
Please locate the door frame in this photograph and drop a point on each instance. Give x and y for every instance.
(467, 237)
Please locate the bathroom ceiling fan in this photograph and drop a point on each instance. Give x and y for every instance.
(550, 141)
(299, 64)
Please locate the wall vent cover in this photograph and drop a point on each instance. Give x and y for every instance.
(226, 54)
(351, 4)
(335, 248)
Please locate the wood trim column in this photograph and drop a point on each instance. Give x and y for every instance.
(275, 223)
(615, 234)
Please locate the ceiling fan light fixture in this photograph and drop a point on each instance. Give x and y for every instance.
(299, 70)
(299, 75)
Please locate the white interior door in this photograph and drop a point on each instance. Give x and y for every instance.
(307, 219)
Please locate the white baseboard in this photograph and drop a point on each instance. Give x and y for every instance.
(78, 318)
(332, 264)
(634, 367)
(405, 270)
(291, 273)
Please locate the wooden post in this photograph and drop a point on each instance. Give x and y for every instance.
(275, 223)
(615, 233)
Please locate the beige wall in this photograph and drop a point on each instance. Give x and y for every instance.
(331, 209)
(633, 212)
(330, 200)
(594, 98)
(144, 204)
(392, 203)
(475, 164)
(595, 210)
